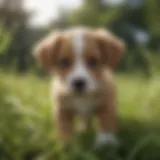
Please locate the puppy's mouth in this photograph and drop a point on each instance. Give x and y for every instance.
(80, 92)
(83, 92)
(86, 93)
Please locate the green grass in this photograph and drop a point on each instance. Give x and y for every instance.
(27, 128)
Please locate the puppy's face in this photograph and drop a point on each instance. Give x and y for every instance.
(78, 57)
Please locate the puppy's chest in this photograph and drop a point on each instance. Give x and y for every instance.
(84, 105)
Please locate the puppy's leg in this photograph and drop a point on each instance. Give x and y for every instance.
(108, 125)
(86, 124)
(65, 124)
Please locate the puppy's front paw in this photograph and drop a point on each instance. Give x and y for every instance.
(104, 139)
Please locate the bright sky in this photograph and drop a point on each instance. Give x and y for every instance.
(46, 10)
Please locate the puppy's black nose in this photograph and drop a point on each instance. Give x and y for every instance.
(79, 85)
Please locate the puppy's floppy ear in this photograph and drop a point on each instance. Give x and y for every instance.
(111, 48)
(46, 51)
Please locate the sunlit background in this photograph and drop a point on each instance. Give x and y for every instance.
(27, 129)
(47, 10)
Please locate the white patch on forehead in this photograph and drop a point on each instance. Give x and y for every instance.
(78, 42)
(79, 69)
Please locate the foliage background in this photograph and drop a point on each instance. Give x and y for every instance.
(26, 119)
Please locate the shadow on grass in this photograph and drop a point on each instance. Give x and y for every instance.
(138, 141)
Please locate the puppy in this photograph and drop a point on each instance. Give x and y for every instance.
(81, 61)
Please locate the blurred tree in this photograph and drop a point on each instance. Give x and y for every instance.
(34, 36)
(94, 13)
(5, 38)
(152, 20)
(12, 13)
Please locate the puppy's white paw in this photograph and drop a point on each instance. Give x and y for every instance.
(103, 139)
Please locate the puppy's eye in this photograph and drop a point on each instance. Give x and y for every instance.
(92, 62)
(64, 63)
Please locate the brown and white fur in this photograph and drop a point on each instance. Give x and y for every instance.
(81, 61)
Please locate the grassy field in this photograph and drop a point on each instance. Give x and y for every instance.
(27, 127)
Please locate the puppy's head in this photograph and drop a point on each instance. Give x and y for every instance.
(78, 57)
